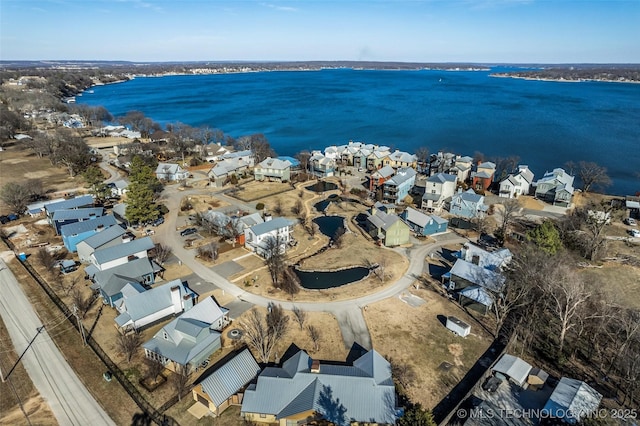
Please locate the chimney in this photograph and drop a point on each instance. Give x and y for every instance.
(267, 217)
(315, 366)
(175, 299)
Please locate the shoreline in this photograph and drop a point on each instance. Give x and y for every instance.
(562, 80)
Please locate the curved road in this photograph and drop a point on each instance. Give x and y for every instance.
(68, 398)
(347, 312)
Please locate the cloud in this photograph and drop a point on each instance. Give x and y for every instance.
(280, 8)
(141, 4)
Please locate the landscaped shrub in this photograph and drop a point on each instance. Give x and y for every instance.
(260, 206)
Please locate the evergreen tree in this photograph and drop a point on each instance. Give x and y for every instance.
(142, 190)
(95, 182)
(546, 236)
(415, 415)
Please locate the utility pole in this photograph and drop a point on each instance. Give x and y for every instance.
(80, 327)
(21, 355)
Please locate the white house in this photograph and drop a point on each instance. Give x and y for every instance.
(437, 190)
(170, 172)
(109, 257)
(256, 237)
(515, 185)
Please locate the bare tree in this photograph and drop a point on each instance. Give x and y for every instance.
(154, 368)
(209, 251)
(82, 303)
(274, 258)
(264, 332)
(592, 175)
(303, 157)
(46, 259)
(510, 208)
(403, 374)
(277, 208)
(300, 316)
(129, 343)
(315, 335)
(422, 153)
(297, 207)
(162, 253)
(584, 229)
(181, 379)
(513, 296)
(290, 282)
(338, 237)
(313, 228)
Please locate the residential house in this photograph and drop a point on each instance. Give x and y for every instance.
(438, 189)
(120, 212)
(400, 160)
(515, 369)
(462, 168)
(171, 172)
(223, 387)
(73, 233)
(226, 168)
(64, 217)
(139, 309)
(256, 238)
(477, 287)
(139, 273)
(109, 257)
(494, 260)
(119, 188)
(273, 169)
(482, 178)
(398, 187)
(304, 389)
(423, 224)
(245, 157)
(388, 228)
(441, 162)
(214, 151)
(109, 237)
(322, 166)
(72, 203)
(555, 187)
(379, 176)
(376, 159)
(38, 208)
(360, 157)
(517, 184)
(632, 204)
(467, 204)
(572, 400)
(347, 152)
(187, 342)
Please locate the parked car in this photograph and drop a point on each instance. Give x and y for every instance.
(188, 231)
(12, 216)
(149, 232)
(492, 384)
(631, 221)
(158, 221)
(634, 233)
(4, 219)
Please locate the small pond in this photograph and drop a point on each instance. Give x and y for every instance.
(322, 280)
(322, 186)
(328, 225)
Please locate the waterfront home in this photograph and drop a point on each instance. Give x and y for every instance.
(187, 342)
(555, 187)
(139, 273)
(120, 254)
(467, 204)
(256, 238)
(360, 157)
(572, 400)
(477, 287)
(73, 233)
(140, 308)
(170, 172)
(423, 224)
(482, 178)
(221, 388)
(347, 152)
(331, 152)
(438, 189)
(386, 227)
(379, 176)
(397, 188)
(321, 166)
(64, 217)
(462, 168)
(400, 159)
(494, 260)
(111, 236)
(304, 389)
(376, 159)
(517, 184)
(632, 204)
(220, 173)
(214, 151)
(245, 156)
(273, 169)
(442, 162)
(72, 203)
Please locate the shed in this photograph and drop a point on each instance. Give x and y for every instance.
(514, 368)
(459, 327)
(537, 378)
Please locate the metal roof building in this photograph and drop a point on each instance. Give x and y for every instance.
(514, 368)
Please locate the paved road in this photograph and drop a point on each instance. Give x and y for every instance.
(70, 401)
(347, 312)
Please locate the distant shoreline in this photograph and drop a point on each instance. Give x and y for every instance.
(562, 80)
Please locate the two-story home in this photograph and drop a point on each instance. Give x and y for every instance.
(467, 204)
(273, 169)
(462, 168)
(139, 273)
(75, 232)
(400, 159)
(360, 157)
(476, 286)
(321, 165)
(304, 389)
(423, 224)
(112, 236)
(171, 172)
(256, 238)
(379, 176)
(189, 340)
(120, 254)
(139, 309)
(555, 187)
(495, 260)
(245, 156)
(214, 151)
(64, 217)
(224, 169)
(376, 159)
(387, 227)
(72, 203)
(438, 189)
(398, 187)
(517, 184)
(482, 178)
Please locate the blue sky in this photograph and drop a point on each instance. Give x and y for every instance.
(484, 31)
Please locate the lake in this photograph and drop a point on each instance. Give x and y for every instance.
(544, 123)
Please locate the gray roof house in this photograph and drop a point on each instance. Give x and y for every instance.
(514, 368)
(222, 387)
(307, 389)
(73, 203)
(64, 217)
(467, 204)
(170, 172)
(515, 185)
(494, 260)
(386, 227)
(255, 238)
(438, 189)
(273, 169)
(111, 236)
(189, 340)
(75, 232)
(424, 224)
(572, 400)
(224, 169)
(138, 273)
(139, 309)
(109, 257)
(555, 187)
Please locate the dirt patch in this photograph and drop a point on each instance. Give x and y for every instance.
(529, 202)
(254, 190)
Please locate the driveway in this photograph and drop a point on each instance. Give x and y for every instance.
(68, 398)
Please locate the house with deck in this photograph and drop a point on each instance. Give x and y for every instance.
(400, 160)
(217, 390)
(397, 188)
(376, 159)
(245, 156)
(379, 176)
(304, 389)
(273, 169)
(424, 224)
(220, 173)
(555, 187)
(482, 178)
(387, 227)
(120, 254)
(171, 172)
(517, 184)
(495, 260)
(256, 238)
(462, 168)
(321, 165)
(467, 204)
(438, 189)
(187, 342)
(476, 286)
(75, 232)
(119, 188)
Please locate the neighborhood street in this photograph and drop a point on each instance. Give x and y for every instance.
(68, 398)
